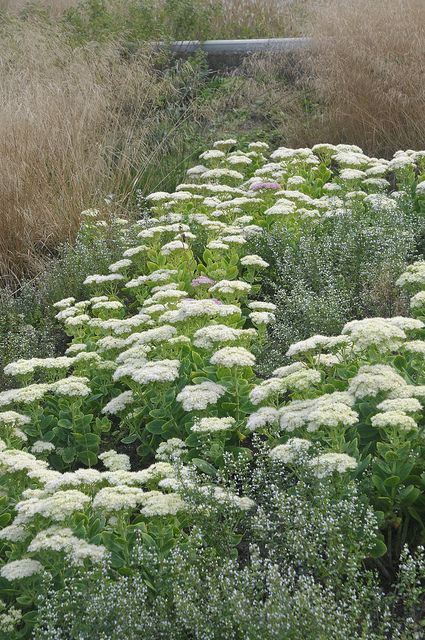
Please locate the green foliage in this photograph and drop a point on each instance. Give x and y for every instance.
(28, 327)
(291, 570)
(139, 20)
(166, 341)
(323, 276)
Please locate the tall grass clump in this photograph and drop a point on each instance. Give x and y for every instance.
(367, 69)
(77, 123)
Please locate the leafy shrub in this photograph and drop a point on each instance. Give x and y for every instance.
(342, 269)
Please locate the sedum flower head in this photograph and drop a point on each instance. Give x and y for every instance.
(394, 418)
(19, 569)
(197, 397)
(213, 425)
(372, 380)
(115, 461)
(328, 463)
(293, 451)
(233, 357)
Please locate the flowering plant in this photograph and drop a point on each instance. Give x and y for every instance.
(162, 358)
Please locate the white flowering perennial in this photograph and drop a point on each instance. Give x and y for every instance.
(115, 461)
(163, 353)
(208, 336)
(62, 539)
(213, 425)
(198, 397)
(292, 452)
(233, 357)
(19, 569)
(156, 371)
(328, 463)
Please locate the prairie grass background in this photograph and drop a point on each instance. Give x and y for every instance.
(81, 117)
(367, 71)
(78, 123)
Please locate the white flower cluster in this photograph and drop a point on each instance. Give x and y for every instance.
(329, 410)
(292, 451)
(328, 463)
(207, 336)
(233, 357)
(115, 461)
(188, 324)
(63, 539)
(213, 425)
(198, 397)
(19, 569)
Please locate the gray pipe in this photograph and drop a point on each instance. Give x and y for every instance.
(230, 53)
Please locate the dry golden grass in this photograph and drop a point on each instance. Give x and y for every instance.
(75, 125)
(368, 69)
(78, 123)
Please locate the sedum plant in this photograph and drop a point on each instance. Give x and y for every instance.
(159, 384)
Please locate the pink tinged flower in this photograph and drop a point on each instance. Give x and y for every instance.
(200, 280)
(265, 185)
(216, 301)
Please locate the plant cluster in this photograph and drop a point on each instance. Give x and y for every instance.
(298, 574)
(101, 448)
